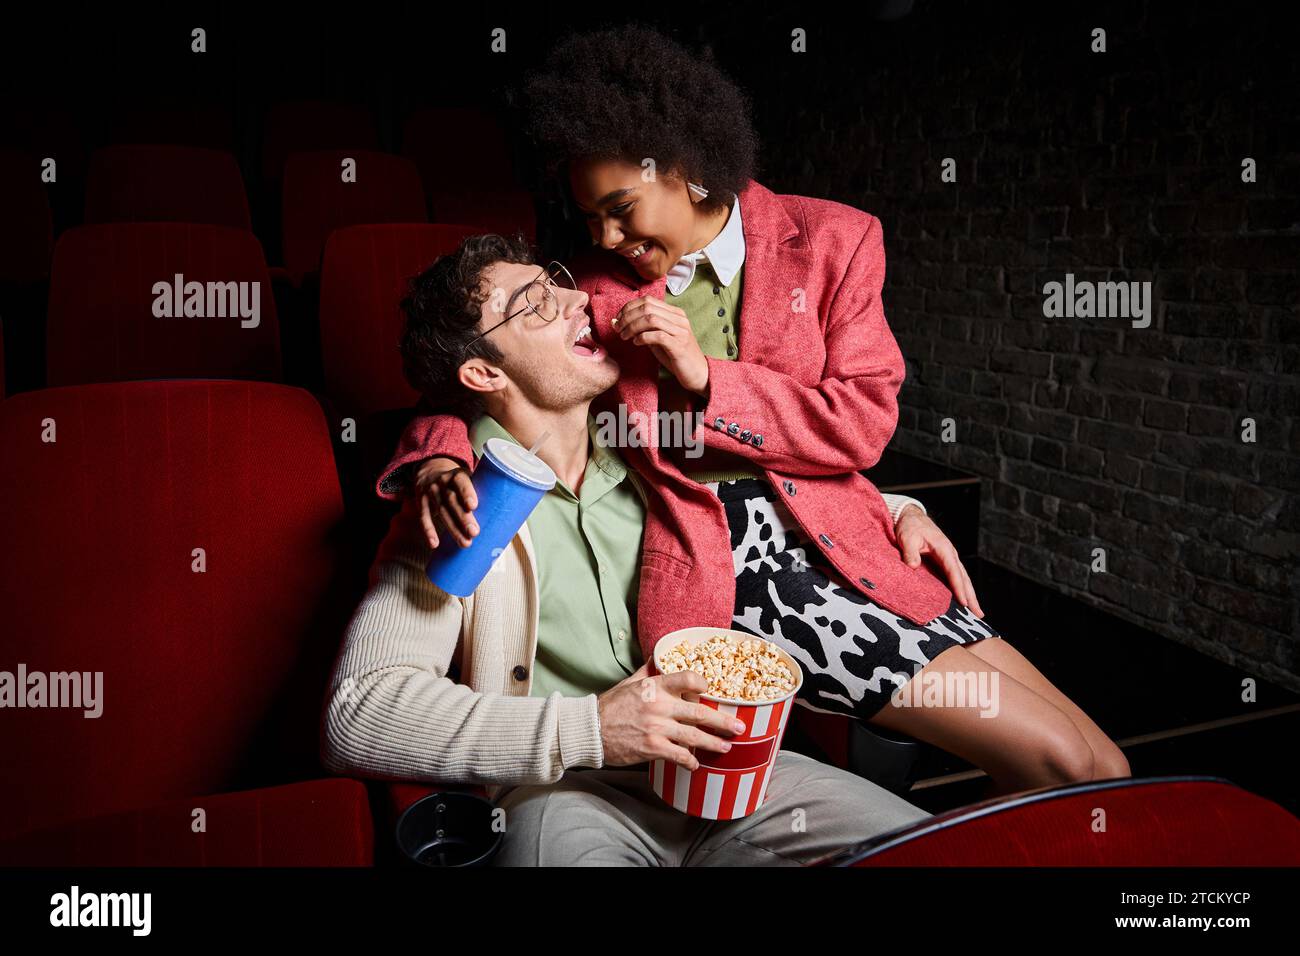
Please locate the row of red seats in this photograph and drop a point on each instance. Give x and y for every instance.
(102, 326)
(218, 666)
(151, 539)
(212, 675)
(455, 149)
(189, 184)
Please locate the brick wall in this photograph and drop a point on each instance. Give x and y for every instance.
(1124, 165)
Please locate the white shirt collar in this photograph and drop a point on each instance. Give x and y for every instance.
(726, 253)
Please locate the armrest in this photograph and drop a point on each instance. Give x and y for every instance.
(1185, 821)
(400, 794)
(313, 823)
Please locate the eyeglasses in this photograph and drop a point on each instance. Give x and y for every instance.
(539, 297)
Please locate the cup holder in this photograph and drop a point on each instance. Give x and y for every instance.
(448, 829)
(885, 757)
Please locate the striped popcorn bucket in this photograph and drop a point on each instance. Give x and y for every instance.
(731, 785)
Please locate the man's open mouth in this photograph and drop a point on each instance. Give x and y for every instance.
(585, 344)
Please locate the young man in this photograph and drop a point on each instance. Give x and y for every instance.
(554, 708)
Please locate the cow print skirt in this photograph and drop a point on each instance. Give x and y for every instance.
(854, 652)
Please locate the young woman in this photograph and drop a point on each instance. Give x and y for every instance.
(762, 313)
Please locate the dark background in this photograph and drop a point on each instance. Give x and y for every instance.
(1116, 166)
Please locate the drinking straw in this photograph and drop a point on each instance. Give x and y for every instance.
(538, 444)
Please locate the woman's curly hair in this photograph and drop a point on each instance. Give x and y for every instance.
(443, 307)
(631, 93)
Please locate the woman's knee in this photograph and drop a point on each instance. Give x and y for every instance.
(1062, 754)
(1110, 763)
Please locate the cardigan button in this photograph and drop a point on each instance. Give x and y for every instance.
(757, 441)
(745, 435)
(788, 486)
(733, 429)
(826, 540)
(866, 584)
(520, 672)
(719, 423)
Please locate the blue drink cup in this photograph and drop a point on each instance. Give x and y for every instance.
(509, 481)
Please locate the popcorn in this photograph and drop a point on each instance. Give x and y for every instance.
(747, 670)
(753, 680)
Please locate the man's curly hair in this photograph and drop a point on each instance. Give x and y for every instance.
(443, 308)
(631, 93)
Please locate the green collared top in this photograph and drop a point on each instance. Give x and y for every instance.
(588, 549)
(713, 309)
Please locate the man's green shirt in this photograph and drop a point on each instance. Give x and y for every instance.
(588, 549)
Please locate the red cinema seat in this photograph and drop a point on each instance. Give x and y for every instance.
(311, 125)
(150, 538)
(327, 822)
(317, 200)
(463, 156)
(166, 184)
(50, 131)
(364, 276)
(208, 127)
(1192, 821)
(457, 149)
(26, 227)
(506, 210)
(46, 129)
(102, 325)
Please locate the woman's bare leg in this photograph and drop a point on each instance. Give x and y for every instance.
(1108, 758)
(1028, 743)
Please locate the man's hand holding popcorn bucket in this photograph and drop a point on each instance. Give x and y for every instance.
(702, 682)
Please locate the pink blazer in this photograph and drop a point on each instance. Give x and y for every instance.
(811, 401)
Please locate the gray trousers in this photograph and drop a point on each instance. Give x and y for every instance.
(611, 817)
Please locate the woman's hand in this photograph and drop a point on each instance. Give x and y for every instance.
(667, 331)
(446, 493)
(918, 535)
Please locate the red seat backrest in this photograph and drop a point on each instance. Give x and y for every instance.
(206, 125)
(26, 228)
(212, 680)
(102, 326)
(166, 184)
(47, 130)
(1124, 822)
(364, 276)
(506, 210)
(308, 125)
(457, 149)
(316, 200)
(463, 156)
